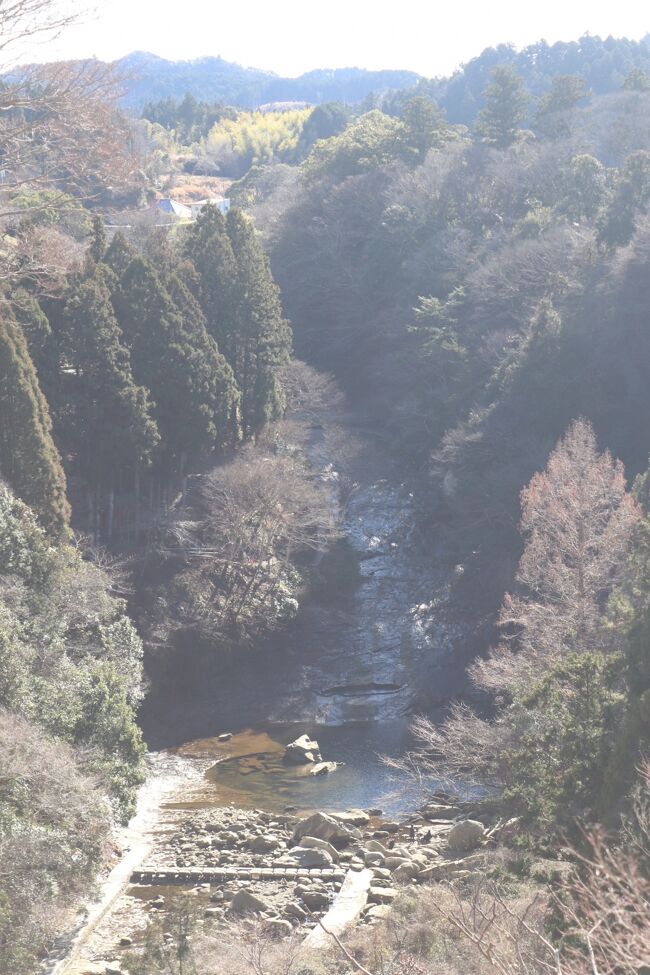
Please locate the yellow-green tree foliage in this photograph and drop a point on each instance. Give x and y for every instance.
(255, 137)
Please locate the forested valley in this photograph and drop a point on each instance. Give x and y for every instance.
(275, 471)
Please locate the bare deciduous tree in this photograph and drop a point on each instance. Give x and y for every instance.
(59, 131)
(606, 903)
(262, 514)
(577, 519)
(26, 21)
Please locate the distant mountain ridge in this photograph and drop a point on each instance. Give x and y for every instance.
(603, 63)
(150, 78)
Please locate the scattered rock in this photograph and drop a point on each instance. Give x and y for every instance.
(382, 895)
(246, 903)
(381, 873)
(295, 910)
(466, 835)
(278, 928)
(449, 868)
(126, 942)
(377, 912)
(302, 751)
(393, 862)
(228, 837)
(264, 843)
(315, 900)
(390, 827)
(434, 810)
(374, 812)
(324, 768)
(376, 847)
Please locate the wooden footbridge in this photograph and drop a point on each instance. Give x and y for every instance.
(164, 876)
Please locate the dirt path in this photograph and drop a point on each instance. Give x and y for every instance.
(166, 777)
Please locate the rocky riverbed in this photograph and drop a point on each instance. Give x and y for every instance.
(285, 871)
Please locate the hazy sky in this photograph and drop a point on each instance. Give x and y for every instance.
(292, 36)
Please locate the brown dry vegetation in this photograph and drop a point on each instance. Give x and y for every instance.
(187, 189)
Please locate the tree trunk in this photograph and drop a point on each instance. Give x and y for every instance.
(136, 507)
(110, 513)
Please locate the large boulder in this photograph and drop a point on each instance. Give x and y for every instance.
(352, 817)
(325, 827)
(466, 835)
(302, 751)
(393, 862)
(405, 872)
(246, 903)
(314, 843)
(382, 895)
(376, 847)
(311, 858)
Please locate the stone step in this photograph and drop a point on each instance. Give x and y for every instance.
(192, 875)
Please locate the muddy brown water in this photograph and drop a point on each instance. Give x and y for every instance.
(249, 771)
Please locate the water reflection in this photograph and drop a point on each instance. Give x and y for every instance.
(249, 771)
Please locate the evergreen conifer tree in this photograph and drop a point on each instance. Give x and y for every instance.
(242, 307)
(36, 328)
(29, 459)
(113, 432)
(119, 254)
(98, 243)
(264, 335)
(506, 100)
(208, 248)
(213, 380)
(172, 356)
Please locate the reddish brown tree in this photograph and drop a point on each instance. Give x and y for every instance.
(577, 519)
